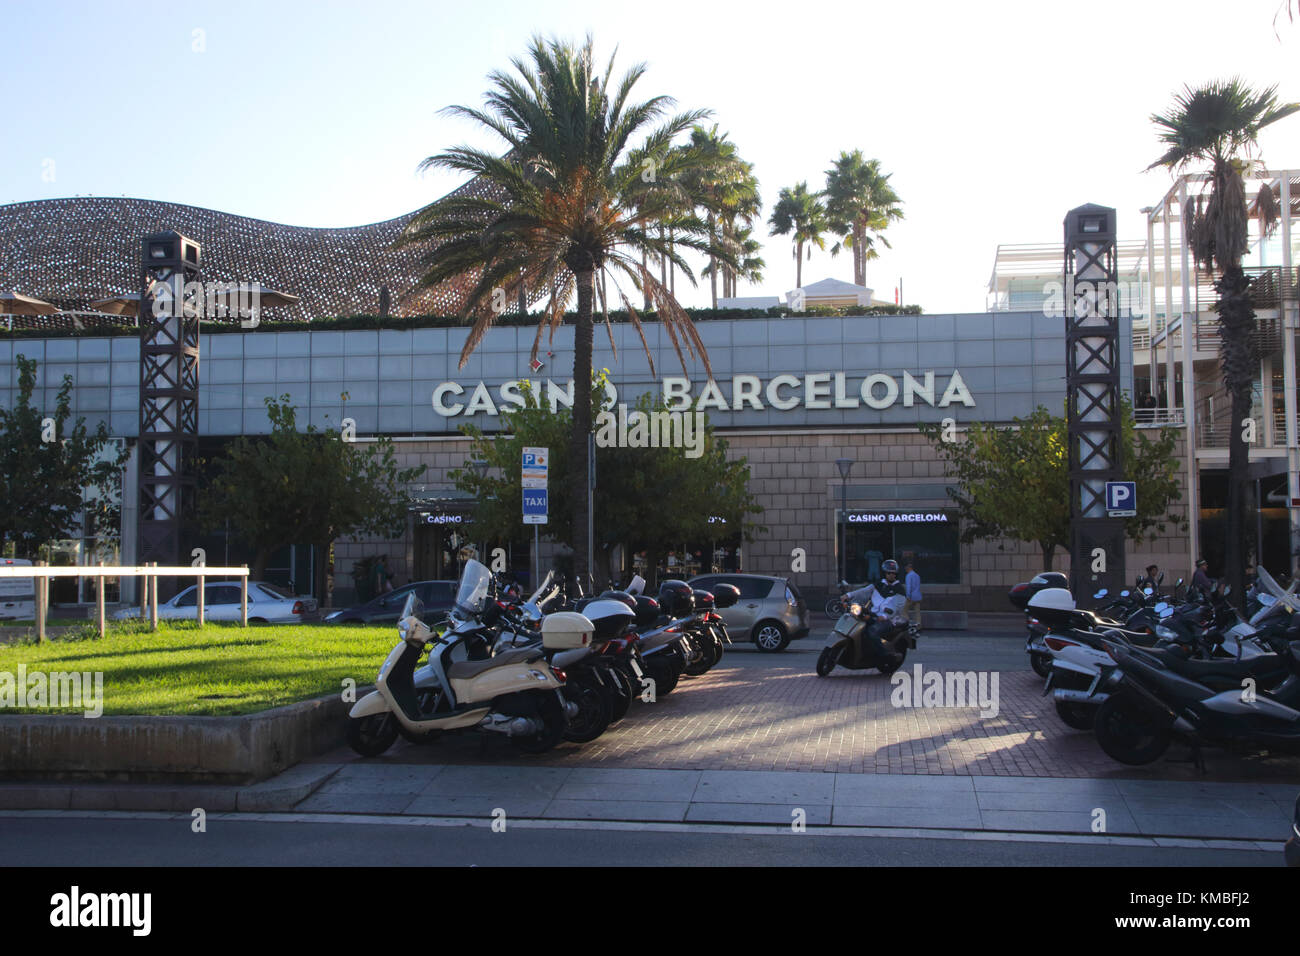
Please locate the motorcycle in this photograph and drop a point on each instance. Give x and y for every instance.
(852, 645)
(517, 693)
(1148, 704)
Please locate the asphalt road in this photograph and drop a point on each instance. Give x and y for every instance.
(107, 840)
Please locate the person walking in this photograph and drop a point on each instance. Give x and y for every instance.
(1201, 580)
(912, 587)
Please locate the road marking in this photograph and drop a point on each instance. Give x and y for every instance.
(892, 833)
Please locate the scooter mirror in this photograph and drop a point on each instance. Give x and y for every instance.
(1148, 592)
(1100, 594)
(1124, 593)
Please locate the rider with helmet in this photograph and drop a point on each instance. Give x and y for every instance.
(890, 585)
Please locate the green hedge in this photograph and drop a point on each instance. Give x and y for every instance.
(353, 322)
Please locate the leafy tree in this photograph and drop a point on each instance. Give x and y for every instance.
(46, 467)
(648, 499)
(860, 205)
(571, 198)
(307, 486)
(1219, 124)
(800, 214)
(1014, 482)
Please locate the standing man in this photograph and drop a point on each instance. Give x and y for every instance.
(1201, 579)
(912, 587)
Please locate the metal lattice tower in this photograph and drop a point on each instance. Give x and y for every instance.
(1093, 396)
(169, 393)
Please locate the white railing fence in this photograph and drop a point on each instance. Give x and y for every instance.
(41, 573)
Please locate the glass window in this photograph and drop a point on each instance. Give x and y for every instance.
(188, 598)
(751, 589)
(215, 594)
(933, 548)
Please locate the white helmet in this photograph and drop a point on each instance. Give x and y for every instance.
(1052, 599)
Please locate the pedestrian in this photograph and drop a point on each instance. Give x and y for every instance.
(1150, 581)
(1201, 579)
(912, 586)
(383, 579)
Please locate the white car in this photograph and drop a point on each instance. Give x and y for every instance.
(267, 604)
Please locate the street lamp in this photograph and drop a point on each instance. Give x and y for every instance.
(480, 469)
(845, 465)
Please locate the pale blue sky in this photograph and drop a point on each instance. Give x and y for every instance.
(318, 113)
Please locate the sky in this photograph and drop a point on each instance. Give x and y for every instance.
(994, 119)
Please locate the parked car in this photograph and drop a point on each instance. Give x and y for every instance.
(437, 596)
(267, 604)
(771, 612)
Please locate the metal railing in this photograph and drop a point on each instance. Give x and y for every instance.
(1157, 417)
(41, 574)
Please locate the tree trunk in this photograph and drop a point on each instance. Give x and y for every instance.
(645, 290)
(713, 264)
(582, 346)
(258, 571)
(319, 572)
(1049, 551)
(859, 255)
(798, 265)
(1236, 320)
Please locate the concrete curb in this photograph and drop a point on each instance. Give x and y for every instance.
(281, 793)
(189, 750)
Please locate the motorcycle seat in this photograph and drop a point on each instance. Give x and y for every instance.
(467, 670)
(1198, 670)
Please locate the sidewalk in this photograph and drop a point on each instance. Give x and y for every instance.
(1162, 810)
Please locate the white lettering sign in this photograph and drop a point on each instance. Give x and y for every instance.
(815, 391)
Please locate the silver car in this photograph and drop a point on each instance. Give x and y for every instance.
(771, 612)
(267, 604)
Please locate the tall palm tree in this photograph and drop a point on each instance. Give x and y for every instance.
(1219, 124)
(572, 197)
(749, 264)
(860, 204)
(741, 205)
(801, 214)
(727, 187)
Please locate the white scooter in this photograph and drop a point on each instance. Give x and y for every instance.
(516, 693)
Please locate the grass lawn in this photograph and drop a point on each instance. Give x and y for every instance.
(215, 670)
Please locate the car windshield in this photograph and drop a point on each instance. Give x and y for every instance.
(471, 598)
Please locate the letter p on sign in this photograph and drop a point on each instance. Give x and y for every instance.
(1121, 499)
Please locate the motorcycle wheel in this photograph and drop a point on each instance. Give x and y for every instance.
(1127, 734)
(373, 734)
(554, 722)
(623, 702)
(830, 656)
(595, 709)
(894, 665)
(708, 656)
(1078, 716)
(1041, 663)
(665, 678)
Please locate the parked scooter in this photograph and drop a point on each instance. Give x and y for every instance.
(516, 693)
(1149, 705)
(866, 637)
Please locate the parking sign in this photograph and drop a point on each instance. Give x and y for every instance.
(534, 506)
(1121, 499)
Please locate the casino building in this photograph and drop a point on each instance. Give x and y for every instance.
(792, 395)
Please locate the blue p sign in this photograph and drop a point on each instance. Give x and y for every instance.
(1121, 498)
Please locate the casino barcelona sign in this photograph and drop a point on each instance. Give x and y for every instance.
(815, 390)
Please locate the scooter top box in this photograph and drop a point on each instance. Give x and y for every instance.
(565, 630)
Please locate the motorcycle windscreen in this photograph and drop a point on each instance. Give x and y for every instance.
(471, 597)
(413, 607)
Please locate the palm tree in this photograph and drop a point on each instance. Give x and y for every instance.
(570, 199)
(859, 200)
(727, 187)
(802, 214)
(749, 264)
(1219, 124)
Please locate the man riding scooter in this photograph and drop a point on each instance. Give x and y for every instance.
(871, 634)
(890, 585)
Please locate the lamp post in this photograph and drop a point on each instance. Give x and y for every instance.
(480, 469)
(845, 465)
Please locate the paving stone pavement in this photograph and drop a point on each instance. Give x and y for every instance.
(782, 717)
(1258, 814)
